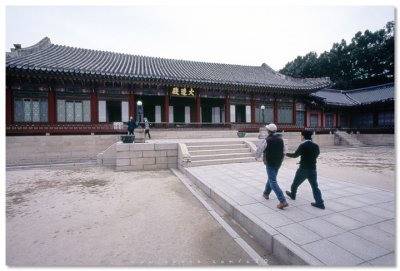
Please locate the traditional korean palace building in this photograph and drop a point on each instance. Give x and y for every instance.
(368, 109)
(59, 89)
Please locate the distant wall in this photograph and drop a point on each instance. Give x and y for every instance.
(325, 140)
(376, 139)
(294, 140)
(34, 149)
(58, 148)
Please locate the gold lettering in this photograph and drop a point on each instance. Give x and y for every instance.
(183, 92)
(191, 92)
(175, 91)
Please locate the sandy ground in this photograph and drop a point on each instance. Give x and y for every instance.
(372, 166)
(97, 217)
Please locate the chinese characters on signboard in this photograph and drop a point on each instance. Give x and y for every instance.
(182, 92)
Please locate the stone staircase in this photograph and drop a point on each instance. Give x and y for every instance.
(347, 139)
(222, 152)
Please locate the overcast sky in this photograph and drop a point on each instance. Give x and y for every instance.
(242, 35)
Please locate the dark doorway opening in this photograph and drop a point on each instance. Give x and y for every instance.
(149, 112)
(113, 111)
(179, 114)
(206, 114)
(240, 113)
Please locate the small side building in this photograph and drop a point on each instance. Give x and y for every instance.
(367, 110)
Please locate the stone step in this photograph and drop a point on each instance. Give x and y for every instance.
(220, 151)
(213, 147)
(221, 161)
(354, 142)
(221, 156)
(201, 143)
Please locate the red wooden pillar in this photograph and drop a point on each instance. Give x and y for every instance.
(294, 113)
(307, 123)
(198, 112)
(252, 110)
(94, 106)
(322, 119)
(52, 107)
(227, 110)
(276, 106)
(166, 109)
(337, 119)
(132, 105)
(9, 106)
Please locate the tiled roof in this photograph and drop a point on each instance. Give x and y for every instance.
(372, 94)
(333, 96)
(47, 57)
(361, 96)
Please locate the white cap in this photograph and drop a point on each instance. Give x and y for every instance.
(271, 127)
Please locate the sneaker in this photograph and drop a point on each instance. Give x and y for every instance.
(290, 195)
(282, 205)
(320, 205)
(266, 196)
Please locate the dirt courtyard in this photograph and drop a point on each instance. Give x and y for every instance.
(94, 216)
(98, 217)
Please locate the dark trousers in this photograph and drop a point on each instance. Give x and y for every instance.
(130, 131)
(311, 176)
(147, 132)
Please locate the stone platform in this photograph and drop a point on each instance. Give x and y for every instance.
(356, 228)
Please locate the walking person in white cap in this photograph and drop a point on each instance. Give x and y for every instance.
(273, 157)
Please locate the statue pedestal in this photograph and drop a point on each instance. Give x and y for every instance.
(127, 138)
(139, 135)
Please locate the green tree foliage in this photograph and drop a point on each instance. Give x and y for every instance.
(368, 60)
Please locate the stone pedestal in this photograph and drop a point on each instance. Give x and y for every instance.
(139, 135)
(146, 156)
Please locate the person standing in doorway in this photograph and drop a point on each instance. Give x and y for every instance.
(309, 152)
(146, 128)
(131, 126)
(273, 157)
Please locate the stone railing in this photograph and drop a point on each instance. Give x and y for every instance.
(63, 128)
(184, 157)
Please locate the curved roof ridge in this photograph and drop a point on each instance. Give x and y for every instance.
(369, 88)
(18, 51)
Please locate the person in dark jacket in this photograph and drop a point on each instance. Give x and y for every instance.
(309, 152)
(273, 157)
(131, 126)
